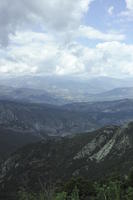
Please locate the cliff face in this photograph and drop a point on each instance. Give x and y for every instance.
(93, 155)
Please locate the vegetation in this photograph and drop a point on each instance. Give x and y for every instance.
(81, 189)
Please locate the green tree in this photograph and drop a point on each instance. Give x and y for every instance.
(75, 194)
(112, 191)
(129, 195)
(61, 196)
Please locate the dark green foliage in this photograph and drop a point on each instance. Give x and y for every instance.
(109, 192)
(129, 194)
(84, 187)
(61, 196)
(130, 178)
(81, 189)
(23, 195)
(75, 194)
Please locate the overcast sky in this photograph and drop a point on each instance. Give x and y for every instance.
(66, 37)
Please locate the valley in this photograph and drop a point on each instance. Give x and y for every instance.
(48, 138)
(60, 90)
(66, 100)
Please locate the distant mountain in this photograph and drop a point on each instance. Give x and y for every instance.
(66, 88)
(41, 96)
(115, 94)
(92, 155)
(29, 95)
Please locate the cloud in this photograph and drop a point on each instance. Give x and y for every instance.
(115, 58)
(56, 15)
(128, 13)
(108, 58)
(38, 53)
(110, 10)
(92, 33)
(46, 38)
(129, 4)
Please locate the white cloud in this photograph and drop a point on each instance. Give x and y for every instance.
(56, 15)
(110, 10)
(69, 64)
(92, 33)
(109, 58)
(129, 4)
(38, 53)
(128, 13)
(114, 59)
(52, 48)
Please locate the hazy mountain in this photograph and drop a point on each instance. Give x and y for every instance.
(29, 95)
(42, 96)
(115, 94)
(65, 87)
(108, 83)
(91, 155)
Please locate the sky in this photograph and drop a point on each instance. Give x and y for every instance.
(66, 37)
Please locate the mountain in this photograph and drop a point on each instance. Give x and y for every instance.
(93, 155)
(11, 140)
(42, 96)
(66, 88)
(23, 123)
(115, 94)
(124, 105)
(29, 95)
(42, 119)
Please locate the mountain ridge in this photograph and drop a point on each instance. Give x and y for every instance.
(91, 155)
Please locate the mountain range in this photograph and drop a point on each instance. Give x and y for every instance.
(42, 119)
(93, 155)
(53, 128)
(115, 94)
(61, 90)
(23, 123)
(29, 95)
